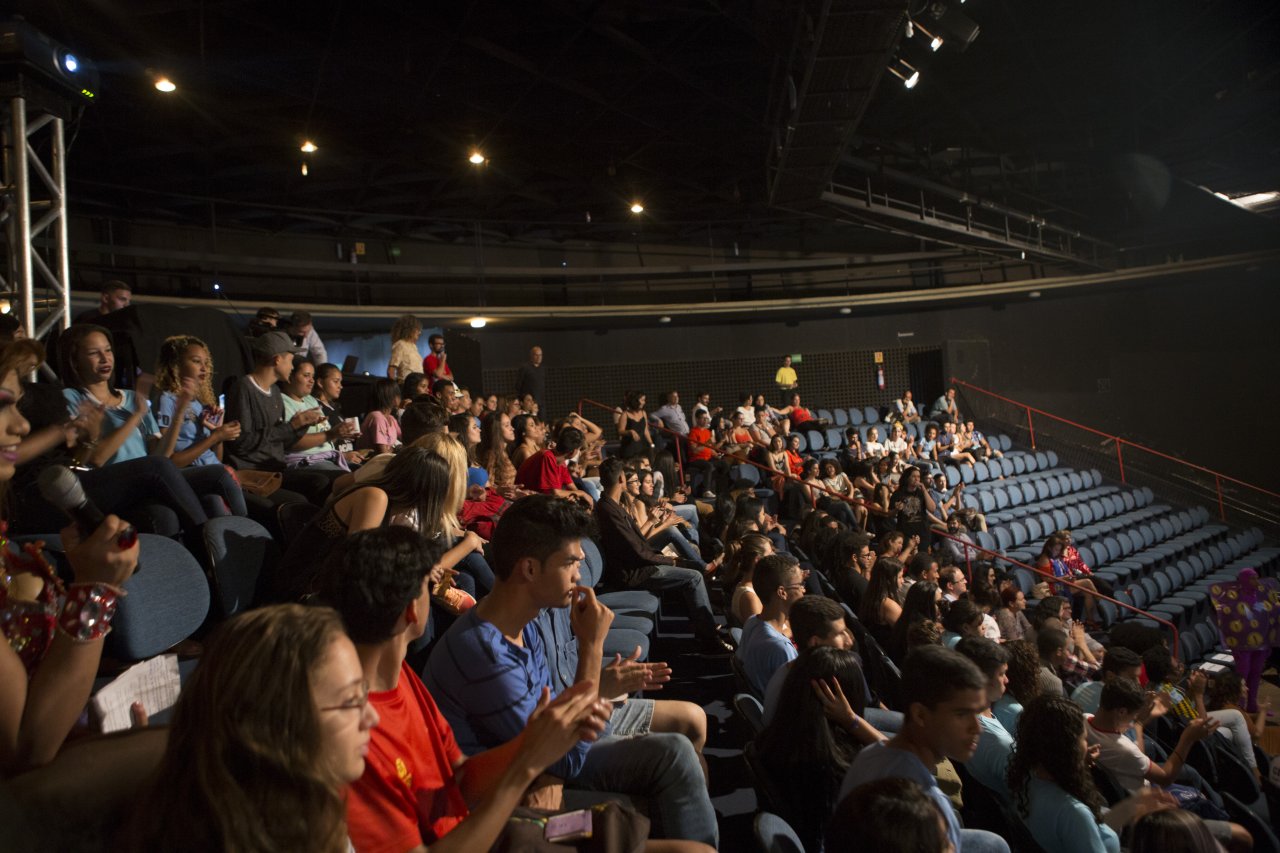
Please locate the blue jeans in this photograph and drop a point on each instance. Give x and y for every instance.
(885, 722)
(674, 537)
(689, 513)
(214, 481)
(477, 567)
(692, 587)
(981, 841)
(662, 768)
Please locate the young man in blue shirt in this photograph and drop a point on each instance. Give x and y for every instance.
(489, 670)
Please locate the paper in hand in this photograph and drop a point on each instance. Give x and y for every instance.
(154, 683)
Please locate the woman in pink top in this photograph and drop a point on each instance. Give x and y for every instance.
(380, 430)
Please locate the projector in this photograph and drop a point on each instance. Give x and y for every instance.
(31, 57)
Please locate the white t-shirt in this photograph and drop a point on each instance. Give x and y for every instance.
(1119, 756)
(874, 448)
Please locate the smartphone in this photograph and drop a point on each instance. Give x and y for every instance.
(222, 401)
(569, 826)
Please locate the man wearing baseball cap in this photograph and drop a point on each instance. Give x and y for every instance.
(265, 436)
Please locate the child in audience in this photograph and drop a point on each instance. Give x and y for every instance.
(266, 734)
(381, 430)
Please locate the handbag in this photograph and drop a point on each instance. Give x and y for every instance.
(260, 483)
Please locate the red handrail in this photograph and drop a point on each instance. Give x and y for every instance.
(1053, 579)
(1218, 476)
(966, 545)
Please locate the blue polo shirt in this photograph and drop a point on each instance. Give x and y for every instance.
(1007, 711)
(1062, 824)
(487, 687)
(991, 761)
(762, 652)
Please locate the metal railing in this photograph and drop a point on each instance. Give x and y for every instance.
(967, 546)
(1252, 503)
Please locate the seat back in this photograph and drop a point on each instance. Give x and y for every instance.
(167, 601)
(592, 565)
(236, 550)
(751, 711)
(775, 835)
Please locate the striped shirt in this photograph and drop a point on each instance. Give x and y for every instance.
(487, 687)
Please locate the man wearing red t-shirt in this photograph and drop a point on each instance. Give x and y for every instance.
(436, 365)
(417, 782)
(547, 471)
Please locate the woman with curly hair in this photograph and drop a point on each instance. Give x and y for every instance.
(1053, 791)
(923, 604)
(184, 377)
(405, 357)
(1024, 682)
(267, 731)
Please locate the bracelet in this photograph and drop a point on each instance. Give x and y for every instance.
(87, 611)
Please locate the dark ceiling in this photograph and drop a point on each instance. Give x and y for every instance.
(1101, 118)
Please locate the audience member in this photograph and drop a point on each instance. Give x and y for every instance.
(922, 604)
(1164, 673)
(267, 319)
(766, 642)
(114, 295)
(880, 610)
(962, 619)
(405, 357)
(943, 694)
(807, 751)
(1051, 642)
(303, 331)
(545, 471)
(911, 503)
(255, 401)
(317, 448)
(633, 428)
(436, 364)
(906, 408)
(990, 762)
(1011, 615)
(1118, 663)
(491, 667)
(631, 563)
(267, 733)
(1024, 683)
(923, 567)
(1227, 696)
(889, 815)
(785, 378)
(1171, 831)
(944, 408)
(414, 386)
(953, 583)
(1052, 789)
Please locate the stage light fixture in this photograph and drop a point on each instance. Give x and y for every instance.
(309, 147)
(476, 158)
(5, 306)
(935, 41)
(479, 323)
(304, 170)
(216, 287)
(637, 207)
(164, 84)
(950, 23)
(70, 63)
(906, 72)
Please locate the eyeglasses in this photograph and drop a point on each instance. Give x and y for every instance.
(793, 586)
(356, 704)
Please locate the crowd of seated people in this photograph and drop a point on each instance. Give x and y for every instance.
(425, 662)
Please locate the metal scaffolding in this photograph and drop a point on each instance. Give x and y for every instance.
(34, 146)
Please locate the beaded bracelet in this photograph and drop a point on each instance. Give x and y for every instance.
(87, 611)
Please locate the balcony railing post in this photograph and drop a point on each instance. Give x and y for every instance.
(1222, 510)
(1031, 428)
(679, 461)
(1120, 459)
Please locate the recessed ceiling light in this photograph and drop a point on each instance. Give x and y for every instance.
(309, 147)
(637, 207)
(1035, 294)
(164, 84)
(476, 158)
(846, 310)
(664, 319)
(478, 323)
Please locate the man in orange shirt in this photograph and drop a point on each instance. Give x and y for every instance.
(707, 471)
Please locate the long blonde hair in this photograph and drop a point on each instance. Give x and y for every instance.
(20, 356)
(444, 518)
(169, 367)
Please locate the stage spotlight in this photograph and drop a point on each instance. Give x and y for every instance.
(637, 207)
(476, 158)
(304, 170)
(949, 23)
(479, 323)
(906, 72)
(309, 147)
(935, 41)
(164, 84)
(70, 63)
(216, 287)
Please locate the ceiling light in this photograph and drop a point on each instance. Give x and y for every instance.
(478, 323)
(5, 306)
(304, 170)
(309, 147)
(664, 319)
(164, 84)
(476, 158)
(906, 72)
(1035, 294)
(637, 207)
(846, 310)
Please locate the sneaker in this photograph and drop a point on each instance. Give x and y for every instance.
(708, 496)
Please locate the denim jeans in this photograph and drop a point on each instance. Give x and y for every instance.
(689, 513)
(216, 482)
(676, 539)
(475, 566)
(664, 769)
(692, 587)
(885, 722)
(981, 841)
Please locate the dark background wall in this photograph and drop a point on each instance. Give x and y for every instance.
(1184, 365)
